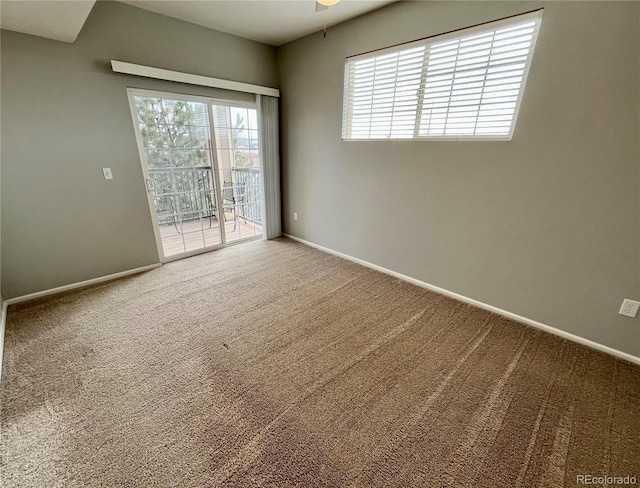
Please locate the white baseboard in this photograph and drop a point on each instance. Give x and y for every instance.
(73, 286)
(3, 321)
(518, 318)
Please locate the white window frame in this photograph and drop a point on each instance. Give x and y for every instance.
(426, 42)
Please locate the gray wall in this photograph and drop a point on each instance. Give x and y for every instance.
(545, 226)
(65, 115)
(1, 295)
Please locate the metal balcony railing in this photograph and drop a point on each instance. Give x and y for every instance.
(249, 178)
(186, 193)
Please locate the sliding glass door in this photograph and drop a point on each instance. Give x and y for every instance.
(238, 169)
(200, 159)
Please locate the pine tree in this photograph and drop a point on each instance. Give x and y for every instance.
(176, 135)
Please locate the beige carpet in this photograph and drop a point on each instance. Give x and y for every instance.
(273, 364)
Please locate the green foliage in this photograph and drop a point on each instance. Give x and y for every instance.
(175, 133)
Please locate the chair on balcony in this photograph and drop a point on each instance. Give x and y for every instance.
(205, 188)
(234, 201)
(166, 210)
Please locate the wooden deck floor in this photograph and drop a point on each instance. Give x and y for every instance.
(196, 234)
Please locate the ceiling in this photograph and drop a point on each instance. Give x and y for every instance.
(273, 22)
(270, 21)
(58, 20)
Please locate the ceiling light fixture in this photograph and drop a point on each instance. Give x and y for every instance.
(327, 3)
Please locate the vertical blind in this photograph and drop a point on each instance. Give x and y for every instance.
(465, 84)
(270, 157)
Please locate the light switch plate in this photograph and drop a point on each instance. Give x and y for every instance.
(107, 173)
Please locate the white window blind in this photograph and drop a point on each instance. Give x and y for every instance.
(465, 84)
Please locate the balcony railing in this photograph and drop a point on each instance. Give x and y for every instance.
(186, 193)
(249, 178)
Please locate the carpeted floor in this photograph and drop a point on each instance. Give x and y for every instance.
(273, 364)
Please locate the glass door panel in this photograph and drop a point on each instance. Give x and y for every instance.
(178, 154)
(237, 152)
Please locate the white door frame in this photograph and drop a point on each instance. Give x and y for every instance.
(131, 93)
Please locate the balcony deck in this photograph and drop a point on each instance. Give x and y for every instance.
(197, 234)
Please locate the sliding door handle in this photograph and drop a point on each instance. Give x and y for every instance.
(151, 185)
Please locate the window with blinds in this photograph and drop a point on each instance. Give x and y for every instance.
(465, 84)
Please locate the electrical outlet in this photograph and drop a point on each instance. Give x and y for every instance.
(629, 308)
(295, 215)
